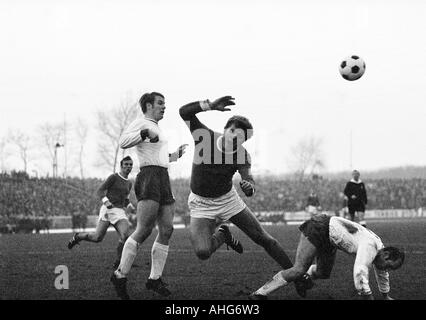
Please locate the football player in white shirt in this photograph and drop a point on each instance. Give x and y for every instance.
(153, 193)
(321, 236)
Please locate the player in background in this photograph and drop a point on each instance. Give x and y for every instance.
(320, 238)
(153, 193)
(313, 205)
(217, 157)
(114, 193)
(357, 198)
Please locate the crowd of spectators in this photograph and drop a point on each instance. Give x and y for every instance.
(23, 197)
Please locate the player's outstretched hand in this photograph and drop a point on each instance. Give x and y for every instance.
(247, 188)
(222, 103)
(178, 153)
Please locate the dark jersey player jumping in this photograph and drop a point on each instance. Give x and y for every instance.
(217, 157)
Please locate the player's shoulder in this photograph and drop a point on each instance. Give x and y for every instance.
(112, 176)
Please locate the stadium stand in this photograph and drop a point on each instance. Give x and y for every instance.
(28, 203)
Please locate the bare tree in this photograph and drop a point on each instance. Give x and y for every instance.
(81, 131)
(51, 137)
(307, 156)
(3, 153)
(111, 125)
(22, 141)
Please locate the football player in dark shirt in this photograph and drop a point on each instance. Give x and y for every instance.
(114, 193)
(217, 157)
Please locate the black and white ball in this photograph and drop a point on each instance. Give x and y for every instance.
(352, 68)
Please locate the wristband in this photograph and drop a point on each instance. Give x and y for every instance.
(205, 105)
(104, 200)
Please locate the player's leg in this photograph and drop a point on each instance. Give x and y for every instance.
(204, 239)
(247, 222)
(306, 253)
(352, 213)
(160, 250)
(96, 236)
(146, 213)
(122, 227)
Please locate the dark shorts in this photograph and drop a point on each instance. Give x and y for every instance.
(153, 183)
(355, 207)
(317, 231)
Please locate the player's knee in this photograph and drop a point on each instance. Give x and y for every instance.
(142, 233)
(124, 236)
(203, 254)
(98, 238)
(167, 231)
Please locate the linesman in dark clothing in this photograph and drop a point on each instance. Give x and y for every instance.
(357, 198)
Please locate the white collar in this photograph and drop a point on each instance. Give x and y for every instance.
(359, 181)
(219, 146)
(122, 176)
(149, 119)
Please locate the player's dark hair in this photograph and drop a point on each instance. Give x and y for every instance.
(395, 254)
(148, 98)
(242, 123)
(127, 158)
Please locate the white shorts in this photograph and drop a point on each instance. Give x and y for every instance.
(223, 207)
(112, 215)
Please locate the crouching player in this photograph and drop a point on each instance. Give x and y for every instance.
(320, 238)
(114, 193)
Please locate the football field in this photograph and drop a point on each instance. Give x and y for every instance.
(28, 262)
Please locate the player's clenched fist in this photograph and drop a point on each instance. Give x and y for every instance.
(152, 136)
(247, 188)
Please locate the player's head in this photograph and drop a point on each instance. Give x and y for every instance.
(389, 258)
(238, 129)
(153, 105)
(355, 175)
(126, 165)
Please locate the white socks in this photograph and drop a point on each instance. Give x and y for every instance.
(276, 282)
(159, 254)
(127, 257)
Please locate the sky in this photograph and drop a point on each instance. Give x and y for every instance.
(63, 60)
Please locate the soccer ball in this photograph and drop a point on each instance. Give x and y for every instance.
(352, 68)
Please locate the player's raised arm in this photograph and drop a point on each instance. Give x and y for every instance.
(188, 112)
